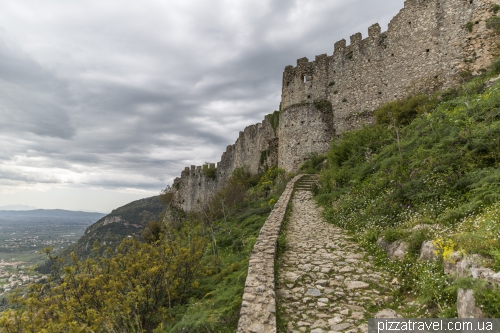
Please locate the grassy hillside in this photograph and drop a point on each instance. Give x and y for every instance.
(428, 170)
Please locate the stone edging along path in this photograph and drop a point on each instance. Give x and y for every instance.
(258, 309)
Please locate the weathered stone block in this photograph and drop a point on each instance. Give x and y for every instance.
(466, 305)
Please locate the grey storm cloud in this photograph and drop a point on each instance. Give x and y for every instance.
(124, 94)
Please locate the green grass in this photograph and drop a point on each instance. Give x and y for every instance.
(313, 163)
(469, 26)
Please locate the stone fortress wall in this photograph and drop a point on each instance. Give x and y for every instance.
(426, 47)
(256, 147)
(423, 49)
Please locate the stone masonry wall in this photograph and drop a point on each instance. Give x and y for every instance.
(425, 48)
(255, 147)
(258, 309)
(307, 128)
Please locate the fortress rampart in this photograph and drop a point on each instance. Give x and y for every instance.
(426, 47)
(256, 147)
(423, 50)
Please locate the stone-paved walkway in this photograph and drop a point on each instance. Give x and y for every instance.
(326, 282)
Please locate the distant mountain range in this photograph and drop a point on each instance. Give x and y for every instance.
(52, 213)
(17, 207)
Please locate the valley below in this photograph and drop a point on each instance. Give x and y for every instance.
(25, 234)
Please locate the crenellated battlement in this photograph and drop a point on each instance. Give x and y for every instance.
(196, 186)
(374, 31)
(356, 38)
(339, 47)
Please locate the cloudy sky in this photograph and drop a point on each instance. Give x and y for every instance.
(105, 102)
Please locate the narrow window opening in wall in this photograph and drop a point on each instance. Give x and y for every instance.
(392, 54)
(304, 78)
(308, 96)
(368, 60)
(477, 22)
(302, 122)
(334, 72)
(287, 84)
(409, 23)
(436, 76)
(380, 93)
(428, 50)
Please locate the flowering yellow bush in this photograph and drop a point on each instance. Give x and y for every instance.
(445, 247)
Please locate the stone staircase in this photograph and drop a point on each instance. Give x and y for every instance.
(306, 182)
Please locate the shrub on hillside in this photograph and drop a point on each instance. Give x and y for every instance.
(209, 171)
(402, 112)
(313, 163)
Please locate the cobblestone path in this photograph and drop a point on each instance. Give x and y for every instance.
(326, 282)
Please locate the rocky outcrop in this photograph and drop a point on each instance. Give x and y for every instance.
(470, 266)
(428, 251)
(396, 250)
